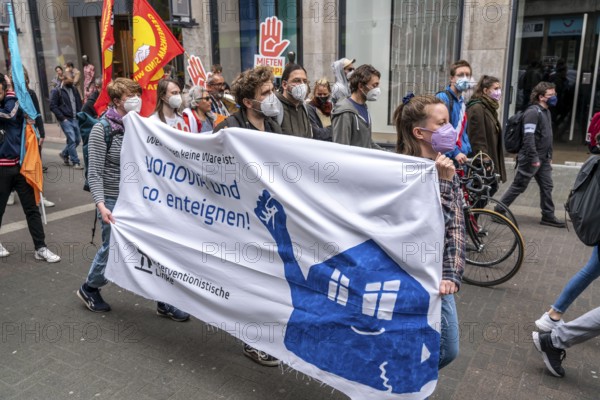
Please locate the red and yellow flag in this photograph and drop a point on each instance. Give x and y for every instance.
(153, 44)
(149, 98)
(31, 166)
(107, 39)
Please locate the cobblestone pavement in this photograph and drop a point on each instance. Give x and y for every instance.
(51, 347)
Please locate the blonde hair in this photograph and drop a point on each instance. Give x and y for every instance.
(322, 82)
(122, 86)
(408, 116)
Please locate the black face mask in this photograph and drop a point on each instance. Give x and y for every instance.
(321, 100)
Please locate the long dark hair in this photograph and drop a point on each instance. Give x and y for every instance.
(161, 91)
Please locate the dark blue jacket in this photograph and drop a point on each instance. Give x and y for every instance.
(11, 121)
(60, 103)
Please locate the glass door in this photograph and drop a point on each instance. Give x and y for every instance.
(563, 49)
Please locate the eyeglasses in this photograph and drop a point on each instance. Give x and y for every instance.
(207, 98)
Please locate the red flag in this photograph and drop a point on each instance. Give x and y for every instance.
(31, 165)
(107, 39)
(149, 98)
(153, 44)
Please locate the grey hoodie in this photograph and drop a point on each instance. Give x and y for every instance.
(349, 127)
(341, 88)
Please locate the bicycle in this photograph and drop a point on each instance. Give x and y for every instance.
(477, 183)
(495, 248)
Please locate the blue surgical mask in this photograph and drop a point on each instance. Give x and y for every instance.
(552, 101)
(462, 84)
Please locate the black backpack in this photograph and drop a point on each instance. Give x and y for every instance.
(450, 104)
(513, 132)
(583, 204)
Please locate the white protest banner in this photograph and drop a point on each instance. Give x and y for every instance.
(271, 46)
(325, 256)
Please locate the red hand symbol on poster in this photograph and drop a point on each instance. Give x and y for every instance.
(271, 42)
(196, 71)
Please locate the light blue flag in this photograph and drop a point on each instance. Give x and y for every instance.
(18, 76)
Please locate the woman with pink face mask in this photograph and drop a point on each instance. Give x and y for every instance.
(424, 130)
(484, 129)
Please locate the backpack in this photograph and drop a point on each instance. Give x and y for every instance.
(583, 203)
(513, 132)
(450, 99)
(86, 123)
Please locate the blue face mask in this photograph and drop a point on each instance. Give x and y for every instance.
(552, 101)
(462, 84)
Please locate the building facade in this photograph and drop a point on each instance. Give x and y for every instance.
(411, 42)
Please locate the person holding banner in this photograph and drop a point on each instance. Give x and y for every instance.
(254, 93)
(198, 116)
(168, 101)
(11, 125)
(104, 173)
(424, 130)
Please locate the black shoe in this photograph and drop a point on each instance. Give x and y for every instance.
(552, 356)
(260, 357)
(166, 310)
(92, 299)
(552, 221)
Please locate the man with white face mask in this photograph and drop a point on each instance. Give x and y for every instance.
(253, 91)
(294, 116)
(350, 118)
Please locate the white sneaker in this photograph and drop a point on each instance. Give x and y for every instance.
(11, 199)
(48, 203)
(45, 254)
(3, 251)
(546, 324)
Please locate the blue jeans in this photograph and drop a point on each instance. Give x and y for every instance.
(450, 335)
(71, 129)
(579, 282)
(96, 277)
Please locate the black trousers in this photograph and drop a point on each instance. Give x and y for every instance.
(543, 177)
(11, 179)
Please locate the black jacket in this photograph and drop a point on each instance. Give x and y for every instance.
(240, 120)
(60, 103)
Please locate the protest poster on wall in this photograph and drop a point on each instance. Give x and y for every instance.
(325, 256)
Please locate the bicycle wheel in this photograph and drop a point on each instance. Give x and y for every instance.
(494, 204)
(495, 248)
